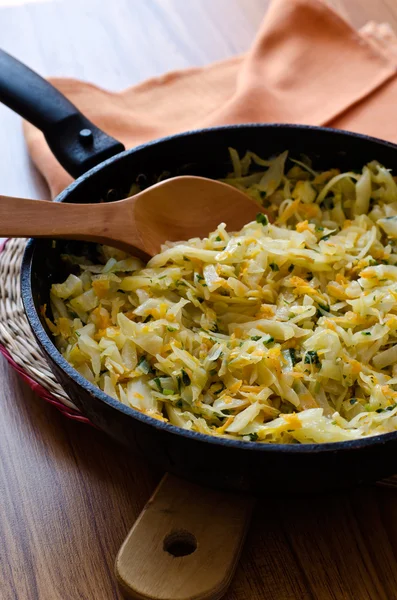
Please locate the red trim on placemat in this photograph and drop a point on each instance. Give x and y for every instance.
(42, 392)
(3, 245)
(39, 389)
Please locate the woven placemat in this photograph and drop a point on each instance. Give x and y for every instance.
(17, 342)
(19, 346)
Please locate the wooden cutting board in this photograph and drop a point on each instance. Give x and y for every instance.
(186, 543)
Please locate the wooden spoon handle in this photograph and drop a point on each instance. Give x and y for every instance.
(185, 544)
(22, 217)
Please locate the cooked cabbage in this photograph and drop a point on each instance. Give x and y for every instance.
(283, 332)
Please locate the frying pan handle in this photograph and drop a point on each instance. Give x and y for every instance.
(76, 142)
(185, 544)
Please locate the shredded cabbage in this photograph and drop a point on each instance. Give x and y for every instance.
(283, 332)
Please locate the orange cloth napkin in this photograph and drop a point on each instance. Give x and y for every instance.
(307, 65)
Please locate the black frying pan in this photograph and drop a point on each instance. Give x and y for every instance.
(105, 172)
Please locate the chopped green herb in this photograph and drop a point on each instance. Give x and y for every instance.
(324, 307)
(268, 341)
(253, 437)
(179, 404)
(143, 365)
(311, 358)
(168, 392)
(148, 318)
(320, 310)
(171, 328)
(261, 218)
(218, 238)
(274, 267)
(226, 411)
(158, 383)
(293, 356)
(318, 228)
(353, 401)
(255, 338)
(199, 277)
(365, 333)
(379, 410)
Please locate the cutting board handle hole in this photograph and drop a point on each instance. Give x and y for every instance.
(180, 543)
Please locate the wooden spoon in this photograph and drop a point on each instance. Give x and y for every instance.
(173, 210)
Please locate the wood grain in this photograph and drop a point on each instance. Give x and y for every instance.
(68, 494)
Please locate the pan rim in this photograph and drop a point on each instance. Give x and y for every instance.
(50, 349)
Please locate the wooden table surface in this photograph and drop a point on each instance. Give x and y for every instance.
(68, 495)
